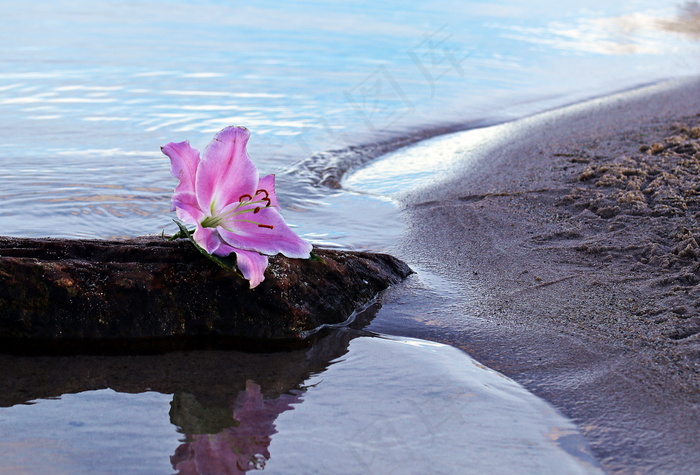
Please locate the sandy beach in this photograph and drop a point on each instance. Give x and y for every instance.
(578, 229)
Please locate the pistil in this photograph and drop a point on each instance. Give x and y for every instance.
(211, 221)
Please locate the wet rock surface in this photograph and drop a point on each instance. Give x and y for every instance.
(75, 295)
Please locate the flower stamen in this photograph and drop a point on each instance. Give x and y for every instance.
(216, 211)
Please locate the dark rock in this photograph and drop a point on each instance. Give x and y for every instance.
(149, 291)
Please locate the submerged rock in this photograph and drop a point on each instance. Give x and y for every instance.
(73, 294)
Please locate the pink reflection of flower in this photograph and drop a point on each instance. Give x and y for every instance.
(233, 209)
(239, 449)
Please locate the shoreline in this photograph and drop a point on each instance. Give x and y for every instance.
(576, 231)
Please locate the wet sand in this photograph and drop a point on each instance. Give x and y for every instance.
(578, 230)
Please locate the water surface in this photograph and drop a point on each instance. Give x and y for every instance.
(89, 91)
(438, 412)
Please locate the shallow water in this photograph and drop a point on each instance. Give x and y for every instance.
(89, 91)
(438, 412)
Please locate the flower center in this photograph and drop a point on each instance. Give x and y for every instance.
(246, 204)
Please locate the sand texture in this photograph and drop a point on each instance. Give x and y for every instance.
(578, 231)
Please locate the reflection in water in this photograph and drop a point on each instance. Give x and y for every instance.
(361, 405)
(224, 403)
(90, 94)
(236, 449)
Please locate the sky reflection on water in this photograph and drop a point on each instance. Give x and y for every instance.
(439, 412)
(90, 90)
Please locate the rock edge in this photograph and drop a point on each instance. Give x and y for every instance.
(81, 291)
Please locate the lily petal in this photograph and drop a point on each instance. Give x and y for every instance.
(225, 172)
(183, 164)
(208, 239)
(187, 208)
(251, 264)
(222, 189)
(268, 234)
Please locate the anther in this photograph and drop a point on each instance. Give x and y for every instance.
(256, 210)
(240, 198)
(268, 226)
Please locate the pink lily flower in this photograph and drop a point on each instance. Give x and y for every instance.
(232, 208)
